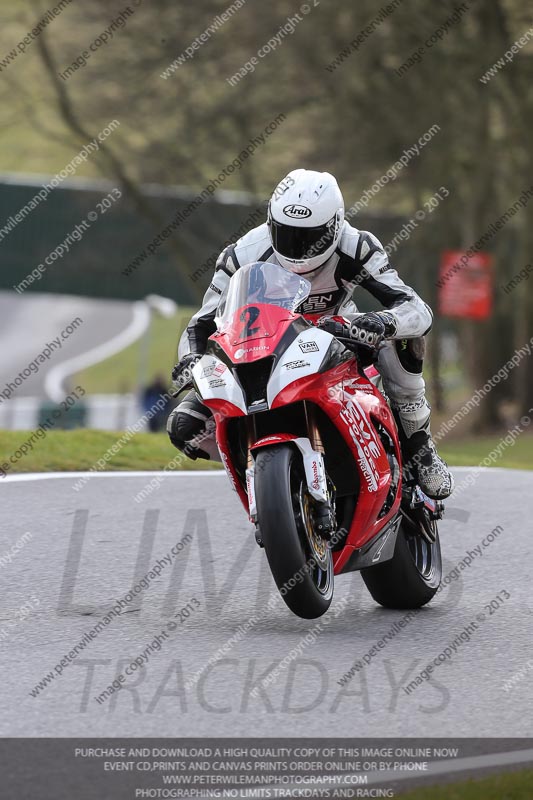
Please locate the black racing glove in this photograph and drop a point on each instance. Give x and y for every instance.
(182, 372)
(370, 330)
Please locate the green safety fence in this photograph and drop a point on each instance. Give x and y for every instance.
(169, 247)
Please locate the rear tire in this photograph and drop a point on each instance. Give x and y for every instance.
(287, 532)
(413, 575)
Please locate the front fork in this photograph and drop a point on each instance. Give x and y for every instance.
(324, 510)
(319, 486)
(250, 472)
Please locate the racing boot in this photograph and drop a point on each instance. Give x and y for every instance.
(434, 476)
(420, 453)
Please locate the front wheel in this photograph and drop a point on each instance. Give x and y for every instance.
(412, 577)
(300, 560)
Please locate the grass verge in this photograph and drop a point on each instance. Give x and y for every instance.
(65, 451)
(62, 451)
(468, 452)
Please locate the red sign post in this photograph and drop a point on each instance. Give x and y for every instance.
(465, 285)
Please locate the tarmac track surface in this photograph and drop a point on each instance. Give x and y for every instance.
(29, 322)
(89, 547)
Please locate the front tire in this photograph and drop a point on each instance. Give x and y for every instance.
(300, 561)
(412, 577)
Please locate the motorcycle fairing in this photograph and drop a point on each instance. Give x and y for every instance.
(307, 364)
(302, 357)
(255, 332)
(214, 380)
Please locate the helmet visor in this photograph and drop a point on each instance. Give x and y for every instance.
(302, 243)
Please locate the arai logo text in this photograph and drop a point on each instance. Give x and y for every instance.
(297, 212)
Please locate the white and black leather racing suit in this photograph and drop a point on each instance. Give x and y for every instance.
(360, 262)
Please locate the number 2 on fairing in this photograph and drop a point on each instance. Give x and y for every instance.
(249, 316)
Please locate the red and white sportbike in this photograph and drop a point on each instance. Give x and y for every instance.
(311, 447)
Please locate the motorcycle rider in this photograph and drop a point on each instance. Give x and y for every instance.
(307, 234)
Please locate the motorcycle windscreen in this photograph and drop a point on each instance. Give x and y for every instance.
(260, 298)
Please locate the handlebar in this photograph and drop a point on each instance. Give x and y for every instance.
(365, 354)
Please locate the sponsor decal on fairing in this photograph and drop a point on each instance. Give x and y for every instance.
(308, 347)
(214, 387)
(243, 350)
(214, 369)
(314, 343)
(365, 441)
